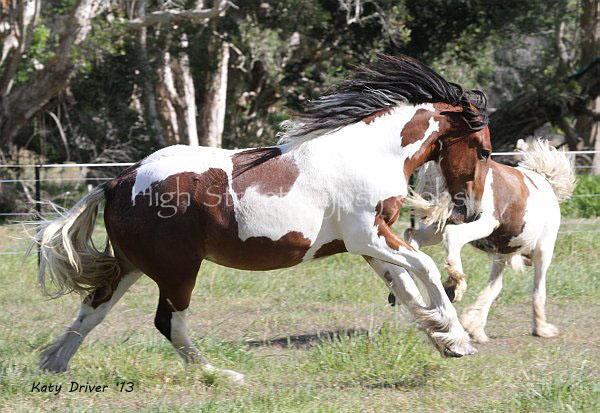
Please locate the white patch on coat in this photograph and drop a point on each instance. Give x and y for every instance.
(352, 168)
(178, 159)
(537, 225)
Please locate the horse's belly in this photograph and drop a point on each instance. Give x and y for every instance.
(499, 242)
(261, 240)
(257, 253)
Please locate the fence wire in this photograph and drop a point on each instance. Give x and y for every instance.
(85, 180)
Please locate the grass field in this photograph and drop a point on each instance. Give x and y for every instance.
(318, 337)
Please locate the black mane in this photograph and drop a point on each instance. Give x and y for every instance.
(385, 83)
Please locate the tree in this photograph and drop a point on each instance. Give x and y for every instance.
(587, 125)
(20, 101)
(168, 89)
(215, 103)
(567, 92)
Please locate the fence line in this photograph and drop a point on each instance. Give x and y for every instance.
(38, 180)
(126, 164)
(94, 165)
(68, 165)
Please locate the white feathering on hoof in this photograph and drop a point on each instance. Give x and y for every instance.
(553, 165)
(431, 200)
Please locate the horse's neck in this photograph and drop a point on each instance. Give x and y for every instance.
(364, 148)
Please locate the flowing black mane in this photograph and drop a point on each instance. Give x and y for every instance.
(385, 83)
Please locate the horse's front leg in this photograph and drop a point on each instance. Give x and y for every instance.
(455, 237)
(392, 256)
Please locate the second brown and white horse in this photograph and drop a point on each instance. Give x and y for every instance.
(335, 183)
(516, 222)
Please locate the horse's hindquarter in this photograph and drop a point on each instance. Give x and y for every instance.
(193, 204)
(542, 213)
(525, 206)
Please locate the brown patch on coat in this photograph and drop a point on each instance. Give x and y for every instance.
(415, 129)
(389, 209)
(333, 247)
(425, 154)
(391, 239)
(510, 200)
(171, 249)
(386, 214)
(265, 169)
(463, 171)
(369, 119)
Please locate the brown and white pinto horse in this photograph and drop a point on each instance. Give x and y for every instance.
(335, 184)
(516, 222)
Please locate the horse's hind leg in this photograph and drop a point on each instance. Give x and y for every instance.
(57, 356)
(542, 258)
(171, 316)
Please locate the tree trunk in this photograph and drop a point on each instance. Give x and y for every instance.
(213, 117)
(146, 80)
(166, 95)
(19, 105)
(16, 30)
(187, 94)
(177, 99)
(520, 117)
(586, 126)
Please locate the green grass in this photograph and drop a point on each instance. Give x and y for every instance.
(318, 337)
(582, 206)
(573, 393)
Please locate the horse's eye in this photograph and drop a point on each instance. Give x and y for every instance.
(483, 154)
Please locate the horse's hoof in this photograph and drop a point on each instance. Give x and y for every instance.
(459, 291)
(459, 351)
(450, 293)
(392, 299)
(50, 360)
(50, 366)
(234, 376)
(408, 234)
(545, 331)
(479, 337)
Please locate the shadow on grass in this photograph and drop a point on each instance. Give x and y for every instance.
(306, 340)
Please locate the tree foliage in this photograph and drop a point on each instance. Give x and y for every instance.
(109, 101)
